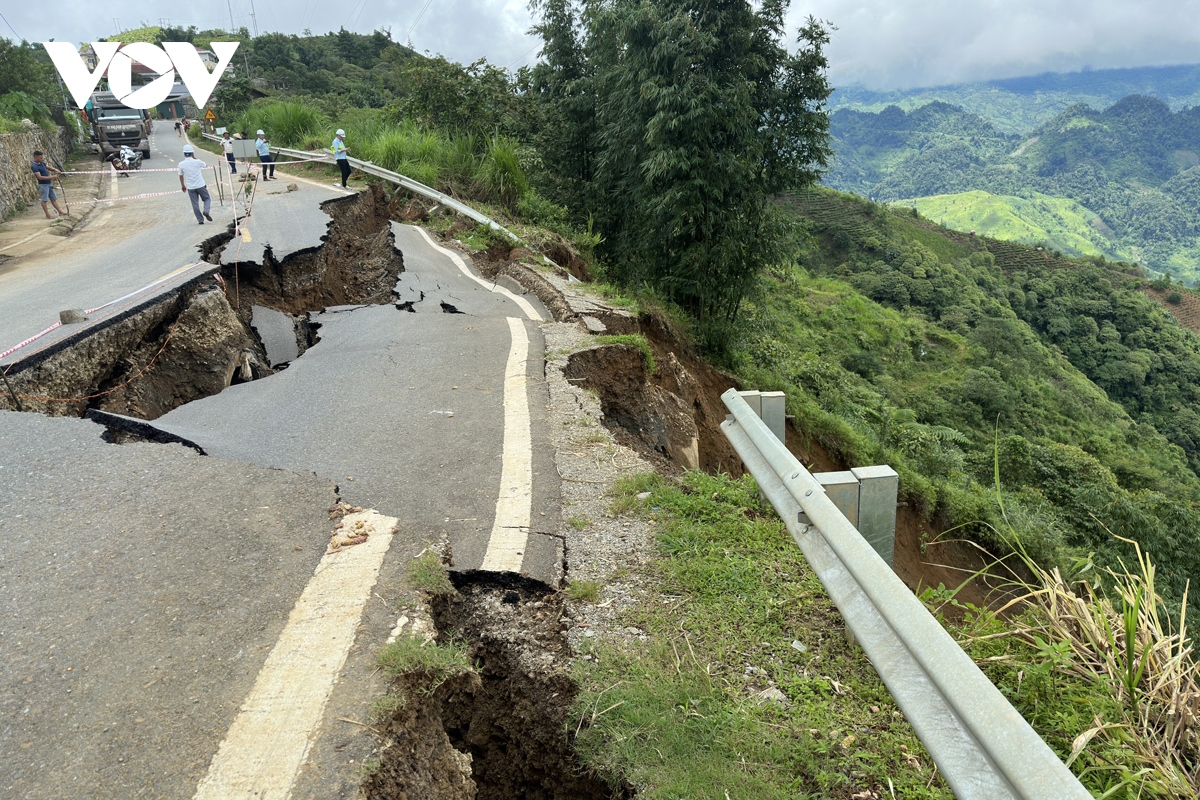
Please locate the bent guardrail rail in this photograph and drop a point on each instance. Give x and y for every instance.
(982, 745)
(416, 187)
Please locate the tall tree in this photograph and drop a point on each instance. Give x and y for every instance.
(561, 84)
(701, 115)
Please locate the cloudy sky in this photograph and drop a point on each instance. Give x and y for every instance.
(881, 43)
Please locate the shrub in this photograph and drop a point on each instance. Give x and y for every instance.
(287, 124)
(1175, 298)
(500, 172)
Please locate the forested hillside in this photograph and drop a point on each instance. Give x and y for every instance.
(1018, 105)
(1123, 182)
(898, 341)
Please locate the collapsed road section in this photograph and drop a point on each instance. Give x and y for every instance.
(198, 338)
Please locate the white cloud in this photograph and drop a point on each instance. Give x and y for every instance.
(906, 43)
(882, 43)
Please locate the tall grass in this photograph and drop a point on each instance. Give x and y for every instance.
(287, 124)
(500, 172)
(462, 164)
(1117, 640)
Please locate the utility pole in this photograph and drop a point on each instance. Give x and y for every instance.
(116, 25)
(229, 5)
(253, 19)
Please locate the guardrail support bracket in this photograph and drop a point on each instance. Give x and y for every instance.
(878, 488)
(771, 408)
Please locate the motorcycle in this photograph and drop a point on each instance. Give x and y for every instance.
(125, 160)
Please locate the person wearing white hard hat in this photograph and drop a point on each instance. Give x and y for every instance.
(191, 180)
(227, 147)
(341, 155)
(264, 155)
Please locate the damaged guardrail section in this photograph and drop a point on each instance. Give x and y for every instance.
(982, 745)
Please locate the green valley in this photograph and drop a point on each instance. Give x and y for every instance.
(1040, 220)
(1123, 182)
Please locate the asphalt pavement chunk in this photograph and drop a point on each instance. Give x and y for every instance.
(143, 587)
(134, 242)
(282, 221)
(405, 412)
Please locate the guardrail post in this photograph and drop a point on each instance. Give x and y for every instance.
(771, 408)
(878, 488)
(774, 413)
(754, 400)
(843, 489)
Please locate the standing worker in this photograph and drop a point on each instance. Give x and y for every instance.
(227, 146)
(264, 155)
(46, 182)
(191, 180)
(340, 155)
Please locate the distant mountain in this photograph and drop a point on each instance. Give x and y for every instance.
(1123, 182)
(1018, 105)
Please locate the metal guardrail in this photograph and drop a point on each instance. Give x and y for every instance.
(982, 745)
(416, 187)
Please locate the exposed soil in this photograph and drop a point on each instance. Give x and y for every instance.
(501, 732)
(357, 263)
(197, 340)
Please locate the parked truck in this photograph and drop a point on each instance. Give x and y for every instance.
(115, 125)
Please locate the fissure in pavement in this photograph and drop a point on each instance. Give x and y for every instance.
(502, 731)
(197, 339)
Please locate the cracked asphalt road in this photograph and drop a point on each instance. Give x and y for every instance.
(144, 585)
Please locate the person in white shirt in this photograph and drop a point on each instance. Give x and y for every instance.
(227, 146)
(191, 180)
(264, 155)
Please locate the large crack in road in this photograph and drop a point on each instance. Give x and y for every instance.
(397, 411)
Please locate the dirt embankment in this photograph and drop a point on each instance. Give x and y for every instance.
(500, 731)
(671, 416)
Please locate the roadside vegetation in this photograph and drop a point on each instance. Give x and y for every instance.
(962, 361)
(746, 685)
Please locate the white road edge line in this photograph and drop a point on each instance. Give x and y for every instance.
(529, 310)
(270, 738)
(510, 531)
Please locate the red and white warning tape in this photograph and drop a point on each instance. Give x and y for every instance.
(89, 311)
(107, 171)
(129, 197)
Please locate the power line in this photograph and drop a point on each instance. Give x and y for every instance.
(10, 27)
(355, 23)
(352, 10)
(418, 19)
(527, 52)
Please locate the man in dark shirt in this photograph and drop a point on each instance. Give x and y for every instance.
(45, 182)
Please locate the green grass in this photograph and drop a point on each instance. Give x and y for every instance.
(579, 523)
(1054, 222)
(1040, 671)
(679, 715)
(436, 662)
(633, 340)
(584, 591)
(428, 573)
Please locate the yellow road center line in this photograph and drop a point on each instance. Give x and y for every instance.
(453, 256)
(510, 531)
(270, 738)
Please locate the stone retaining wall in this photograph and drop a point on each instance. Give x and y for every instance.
(17, 183)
